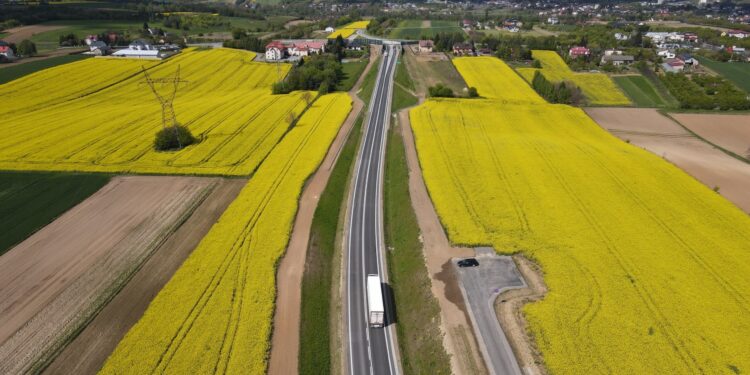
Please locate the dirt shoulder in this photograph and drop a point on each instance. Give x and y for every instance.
(509, 310)
(458, 337)
(87, 352)
(285, 337)
(649, 129)
(56, 280)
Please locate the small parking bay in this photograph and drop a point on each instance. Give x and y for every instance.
(480, 287)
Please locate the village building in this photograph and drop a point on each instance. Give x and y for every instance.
(141, 49)
(275, 51)
(739, 34)
(426, 46)
(673, 66)
(463, 49)
(579, 51)
(6, 51)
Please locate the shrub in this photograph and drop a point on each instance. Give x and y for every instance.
(173, 138)
(27, 48)
(441, 91)
(473, 93)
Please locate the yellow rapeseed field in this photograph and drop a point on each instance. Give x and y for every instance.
(98, 115)
(598, 88)
(348, 29)
(494, 79)
(214, 315)
(646, 267)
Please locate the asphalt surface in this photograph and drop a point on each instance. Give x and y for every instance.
(480, 287)
(370, 350)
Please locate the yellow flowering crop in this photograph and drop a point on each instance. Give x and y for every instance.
(214, 315)
(494, 79)
(646, 267)
(98, 115)
(598, 87)
(348, 29)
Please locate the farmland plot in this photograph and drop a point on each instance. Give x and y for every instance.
(109, 126)
(215, 314)
(597, 87)
(52, 283)
(731, 132)
(494, 79)
(645, 265)
(348, 29)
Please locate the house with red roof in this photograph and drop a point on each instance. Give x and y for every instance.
(275, 50)
(579, 51)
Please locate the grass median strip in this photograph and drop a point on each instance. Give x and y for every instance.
(418, 314)
(317, 281)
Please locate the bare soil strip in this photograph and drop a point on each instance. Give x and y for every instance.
(88, 351)
(18, 34)
(53, 283)
(654, 132)
(458, 337)
(285, 337)
(730, 132)
(509, 310)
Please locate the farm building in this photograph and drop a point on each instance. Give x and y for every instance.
(5, 50)
(739, 34)
(426, 46)
(99, 48)
(306, 48)
(618, 59)
(141, 49)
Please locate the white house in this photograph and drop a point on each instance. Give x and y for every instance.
(99, 48)
(621, 36)
(553, 20)
(739, 34)
(275, 50)
(330, 29)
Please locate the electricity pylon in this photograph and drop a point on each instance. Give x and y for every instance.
(168, 116)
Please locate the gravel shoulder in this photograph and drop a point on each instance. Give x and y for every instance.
(648, 129)
(88, 351)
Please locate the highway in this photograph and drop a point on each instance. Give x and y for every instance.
(370, 350)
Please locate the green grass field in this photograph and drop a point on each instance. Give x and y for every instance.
(17, 71)
(352, 71)
(640, 90)
(412, 29)
(419, 337)
(29, 201)
(737, 72)
(402, 88)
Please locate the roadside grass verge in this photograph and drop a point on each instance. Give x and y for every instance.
(29, 201)
(640, 91)
(317, 280)
(368, 84)
(402, 98)
(17, 71)
(352, 71)
(419, 337)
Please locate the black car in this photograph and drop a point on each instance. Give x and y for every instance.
(468, 262)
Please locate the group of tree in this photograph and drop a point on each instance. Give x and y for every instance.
(246, 42)
(556, 92)
(705, 92)
(318, 72)
(70, 40)
(440, 91)
(444, 41)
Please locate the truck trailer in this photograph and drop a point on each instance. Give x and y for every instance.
(375, 306)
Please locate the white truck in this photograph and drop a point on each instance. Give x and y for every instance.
(375, 306)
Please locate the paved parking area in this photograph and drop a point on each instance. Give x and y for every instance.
(480, 287)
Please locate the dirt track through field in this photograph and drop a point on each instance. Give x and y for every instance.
(285, 337)
(649, 129)
(730, 132)
(53, 282)
(18, 34)
(87, 353)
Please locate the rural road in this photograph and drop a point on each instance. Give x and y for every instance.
(370, 350)
(480, 287)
